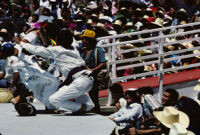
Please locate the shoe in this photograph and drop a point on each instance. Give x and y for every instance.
(81, 111)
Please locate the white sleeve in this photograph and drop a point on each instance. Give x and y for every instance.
(31, 37)
(36, 50)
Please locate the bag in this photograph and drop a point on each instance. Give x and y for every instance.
(5, 95)
(103, 77)
(25, 109)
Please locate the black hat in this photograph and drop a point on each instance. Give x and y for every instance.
(25, 109)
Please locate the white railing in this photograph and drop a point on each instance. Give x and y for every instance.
(160, 43)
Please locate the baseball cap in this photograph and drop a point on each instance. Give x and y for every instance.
(89, 33)
(6, 47)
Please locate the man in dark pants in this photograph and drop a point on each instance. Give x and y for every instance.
(93, 63)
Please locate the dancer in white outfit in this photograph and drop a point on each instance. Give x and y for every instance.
(72, 66)
(40, 82)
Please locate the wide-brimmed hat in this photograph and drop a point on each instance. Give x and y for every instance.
(188, 45)
(158, 23)
(178, 129)
(89, 21)
(127, 46)
(92, 5)
(118, 22)
(171, 115)
(197, 87)
(196, 52)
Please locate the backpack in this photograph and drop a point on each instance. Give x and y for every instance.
(102, 76)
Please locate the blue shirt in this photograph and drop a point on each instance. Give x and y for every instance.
(90, 61)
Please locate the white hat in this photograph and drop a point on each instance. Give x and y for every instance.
(145, 17)
(123, 8)
(106, 18)
(101, 15)
(148, 68)
(178, 129)
(125, 47)
(171, 115)
(195, 52)
(148, 9)
(197, 87)
(94, 15)
(129, 24)
(92, 5)
(52, 0)
(131, 89)
(158, 22)
(118, 22)
(100, 24)
(77, 33)
(188, 45)
(182, 10)
(89, 21)
(112, 32)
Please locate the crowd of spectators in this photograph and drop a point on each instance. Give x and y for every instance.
(106, 17)
(139, 112)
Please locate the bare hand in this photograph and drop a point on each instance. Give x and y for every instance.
(11, 89)
(111, 119)
(16, 39)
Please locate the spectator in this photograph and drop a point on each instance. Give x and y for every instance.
(93, 63)
(129, 116)
(118, 95)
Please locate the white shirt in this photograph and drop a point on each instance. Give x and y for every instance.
(65, 59)
(128, 115)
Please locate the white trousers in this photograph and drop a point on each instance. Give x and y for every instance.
(76, 90)
(40, 82)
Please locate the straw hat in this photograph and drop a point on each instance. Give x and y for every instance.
(196, 52)
(92, 5)
(188, 45)
(100, 24)
(127, 46)
(158, 22)
(129, 24)
(94, 15)
(123, 8)
(5, 95)
(89, 21)
(148, 68)
(177, 129)
(118, 22)
(145, 17)
(182, 10)
(171, 115)
(197, 87)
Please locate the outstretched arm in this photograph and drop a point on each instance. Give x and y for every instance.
(36, 50)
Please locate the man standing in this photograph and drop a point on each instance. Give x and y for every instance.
(95, 60)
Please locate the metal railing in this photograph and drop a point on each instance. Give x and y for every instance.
(160, 40)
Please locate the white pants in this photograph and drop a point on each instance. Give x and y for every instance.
(76, 90)
(40, 82)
